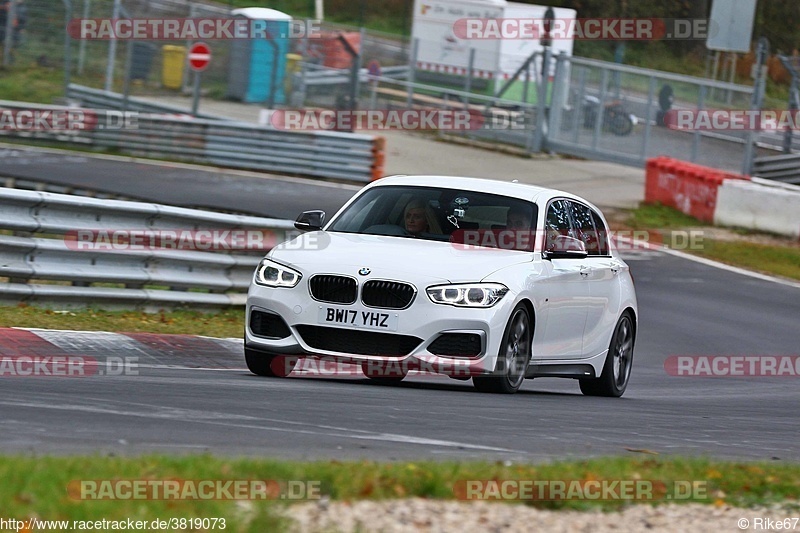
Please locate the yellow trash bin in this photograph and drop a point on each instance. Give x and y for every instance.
(173, 65)
(292, 67)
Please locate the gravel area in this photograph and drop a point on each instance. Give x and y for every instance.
(413, 515)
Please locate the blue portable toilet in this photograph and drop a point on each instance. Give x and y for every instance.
(253, 62)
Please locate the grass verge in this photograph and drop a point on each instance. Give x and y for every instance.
(227, 323)
(752, 250)
(50, 487)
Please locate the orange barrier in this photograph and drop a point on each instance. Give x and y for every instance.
(379, 157)
(688, 187)
(332, 51)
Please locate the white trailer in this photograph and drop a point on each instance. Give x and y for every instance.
(442, 48)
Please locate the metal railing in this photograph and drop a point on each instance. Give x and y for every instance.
(100, 99)
(785, 168)
(41, 261)
(325, 154)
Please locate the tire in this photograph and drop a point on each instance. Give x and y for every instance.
(617, 368)
(619, 122)
(269, 365)
(515, 355)
(383, 375)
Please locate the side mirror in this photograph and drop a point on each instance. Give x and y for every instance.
(310, 220)
(565, 247)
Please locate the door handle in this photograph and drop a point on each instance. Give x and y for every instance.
(615, 269)
(584, 271)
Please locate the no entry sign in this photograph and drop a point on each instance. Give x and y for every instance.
(199, 57)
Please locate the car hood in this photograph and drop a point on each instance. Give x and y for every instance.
(347, 253)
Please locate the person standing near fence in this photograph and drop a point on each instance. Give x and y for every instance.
(18, 23)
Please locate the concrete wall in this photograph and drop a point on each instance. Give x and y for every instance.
(759, 204)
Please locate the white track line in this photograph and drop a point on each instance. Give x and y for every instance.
(708, 262)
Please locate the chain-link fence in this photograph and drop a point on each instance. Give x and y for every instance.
(616, 112)
(583, 107)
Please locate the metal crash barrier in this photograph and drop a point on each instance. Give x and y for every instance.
(62, 249)
(323, 154)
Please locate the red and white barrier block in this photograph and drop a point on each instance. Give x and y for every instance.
(723, 198)
(759, 204)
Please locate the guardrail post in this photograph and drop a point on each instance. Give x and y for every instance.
(598, 124)
(67, 47)
(112, 50)
(412, 67)
(468, 81)
(128, 66)
(541, 104)
(557, 103)
(82, 45)
(9, 29)
(762, 50)
(651, 94)
(701, 102)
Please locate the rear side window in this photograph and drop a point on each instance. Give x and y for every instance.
(602, 234)
(583, 225)
(557, 224)
(589, 228)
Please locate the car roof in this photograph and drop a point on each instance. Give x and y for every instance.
(522, 191)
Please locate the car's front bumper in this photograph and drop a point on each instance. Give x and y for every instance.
(422, 320)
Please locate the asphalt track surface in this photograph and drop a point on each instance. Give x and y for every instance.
(186, 401)
(193, 400)
(175, 184)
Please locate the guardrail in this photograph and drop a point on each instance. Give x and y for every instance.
(43, 258)
(325, 154)
(100, 99)
(785, 168)
(314, 75)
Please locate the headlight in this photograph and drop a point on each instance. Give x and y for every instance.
(272, 274)
(468, 295)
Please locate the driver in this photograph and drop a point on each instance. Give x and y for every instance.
(419, 218)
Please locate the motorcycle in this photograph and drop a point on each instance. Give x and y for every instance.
(616, 118)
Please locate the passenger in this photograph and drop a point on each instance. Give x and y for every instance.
(518, 218)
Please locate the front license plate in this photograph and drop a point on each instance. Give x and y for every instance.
(359, 318)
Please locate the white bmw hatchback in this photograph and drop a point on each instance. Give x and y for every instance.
(465, 277)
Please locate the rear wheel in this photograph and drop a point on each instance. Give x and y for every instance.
(617, 368)
(619, 122)
(515, 354)
(269, 365)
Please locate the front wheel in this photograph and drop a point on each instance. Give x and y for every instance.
(617, 368)
(515, 354)
(269, 365)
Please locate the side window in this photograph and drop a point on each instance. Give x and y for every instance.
(557, 224)
(602, 234)
(583, 223)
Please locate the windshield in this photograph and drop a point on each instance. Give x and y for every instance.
(449, 215)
